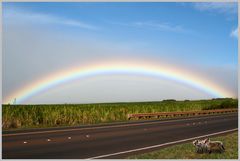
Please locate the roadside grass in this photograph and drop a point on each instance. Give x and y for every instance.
(187, 150)
(56, 115)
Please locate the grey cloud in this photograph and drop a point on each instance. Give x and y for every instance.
(31, 54)
(118, 88)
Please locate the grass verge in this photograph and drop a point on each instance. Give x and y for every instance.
(187, 150)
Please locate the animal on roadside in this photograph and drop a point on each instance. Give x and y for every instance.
(197, 145)
(200, 145)
(214, 146)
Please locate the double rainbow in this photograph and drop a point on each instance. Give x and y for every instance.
(139, 68)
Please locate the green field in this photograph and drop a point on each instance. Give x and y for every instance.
(30, 116)
(187, 150)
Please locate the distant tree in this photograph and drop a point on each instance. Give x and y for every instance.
(222, 98)
(169, 100)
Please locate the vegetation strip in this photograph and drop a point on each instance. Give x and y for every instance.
(42, 116)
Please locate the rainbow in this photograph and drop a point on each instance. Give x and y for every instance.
(139, 68)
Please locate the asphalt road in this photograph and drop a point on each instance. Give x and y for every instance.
(117, 140)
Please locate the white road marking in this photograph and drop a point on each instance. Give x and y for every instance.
(87, 136)
(164, 144)
(69, 137)
(48, 139)
(24, 142)
(106, 127)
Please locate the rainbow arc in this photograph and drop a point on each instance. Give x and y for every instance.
(140, 68)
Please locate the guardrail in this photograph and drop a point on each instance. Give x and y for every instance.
(182, 113)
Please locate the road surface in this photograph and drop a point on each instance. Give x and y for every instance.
(117, 140)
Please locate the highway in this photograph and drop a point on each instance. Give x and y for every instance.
(115, 141)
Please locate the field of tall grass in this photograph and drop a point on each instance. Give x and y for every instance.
(30, 116)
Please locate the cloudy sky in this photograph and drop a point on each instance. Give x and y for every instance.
(42, 39)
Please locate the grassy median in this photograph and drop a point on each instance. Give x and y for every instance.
(187, 150)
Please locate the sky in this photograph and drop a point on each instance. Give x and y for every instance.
(192, 46)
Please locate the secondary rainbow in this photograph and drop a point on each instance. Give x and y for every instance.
(139, 68)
